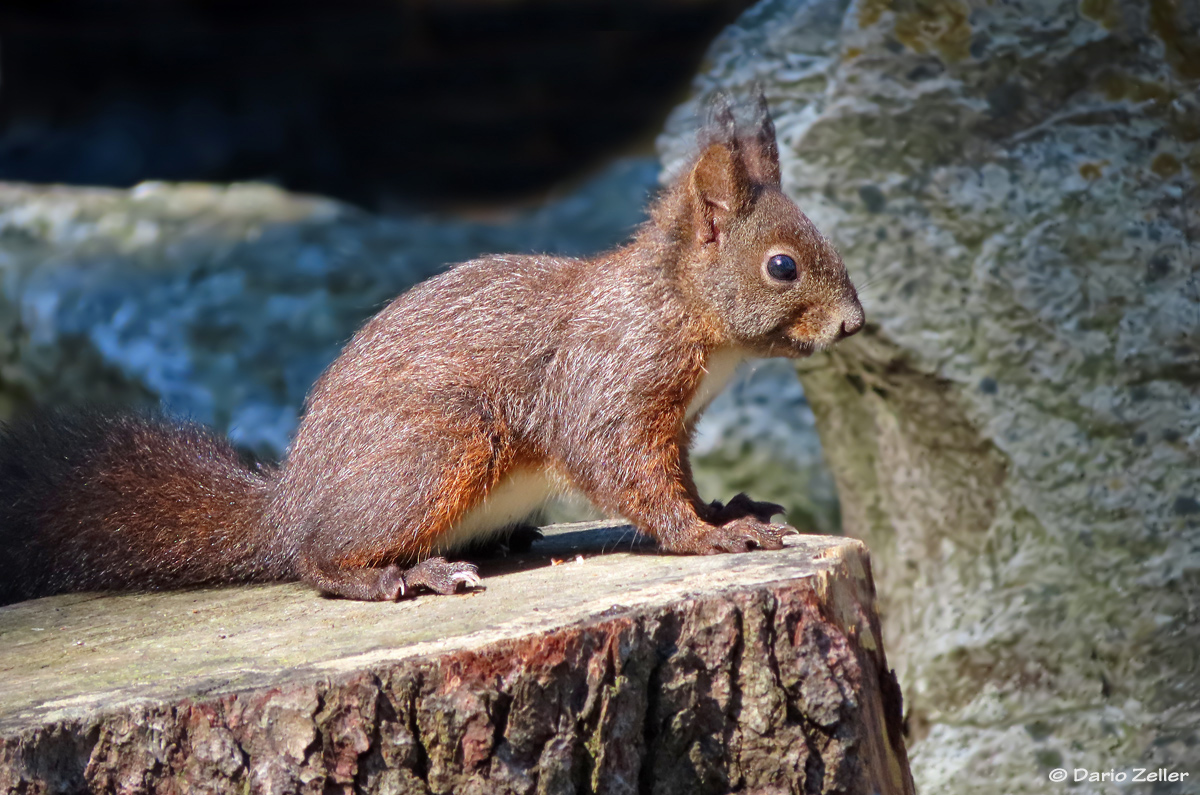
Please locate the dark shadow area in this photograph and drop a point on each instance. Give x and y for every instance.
(561, 545)
(379, 102)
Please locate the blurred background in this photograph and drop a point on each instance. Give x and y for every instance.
(377, 102)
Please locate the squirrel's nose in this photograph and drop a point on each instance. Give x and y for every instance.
(852, 324)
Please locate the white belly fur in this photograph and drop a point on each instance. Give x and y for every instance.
(523, 492)
(722, 365)
(511, 501)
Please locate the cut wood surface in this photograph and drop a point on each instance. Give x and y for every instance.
(591, 664)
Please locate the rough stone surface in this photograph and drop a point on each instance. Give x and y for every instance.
(613, 672)
(1016, 434)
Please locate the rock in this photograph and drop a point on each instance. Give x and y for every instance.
(1016, 433)
(615, 672)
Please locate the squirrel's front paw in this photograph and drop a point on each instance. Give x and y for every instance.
(740, 535)
(742, 506)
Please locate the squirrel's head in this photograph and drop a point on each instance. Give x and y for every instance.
(771, 282)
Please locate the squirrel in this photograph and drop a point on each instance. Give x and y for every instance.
(454, 413)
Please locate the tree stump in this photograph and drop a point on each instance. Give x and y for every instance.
(590, 664)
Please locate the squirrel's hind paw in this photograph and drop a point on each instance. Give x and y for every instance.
(441, 576)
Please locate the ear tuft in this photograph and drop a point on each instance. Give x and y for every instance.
(721, 122)
(764, 155)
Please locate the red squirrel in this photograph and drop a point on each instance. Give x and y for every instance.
(455, 412)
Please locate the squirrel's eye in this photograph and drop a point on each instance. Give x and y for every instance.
(782, 267)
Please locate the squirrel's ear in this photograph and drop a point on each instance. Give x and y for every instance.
(719, 184)
(720, 191)
(764, 155)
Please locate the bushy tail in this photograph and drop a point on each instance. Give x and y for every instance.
(119, 502)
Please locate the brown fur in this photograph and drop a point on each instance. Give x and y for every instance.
(90, 502)
(583, 368)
